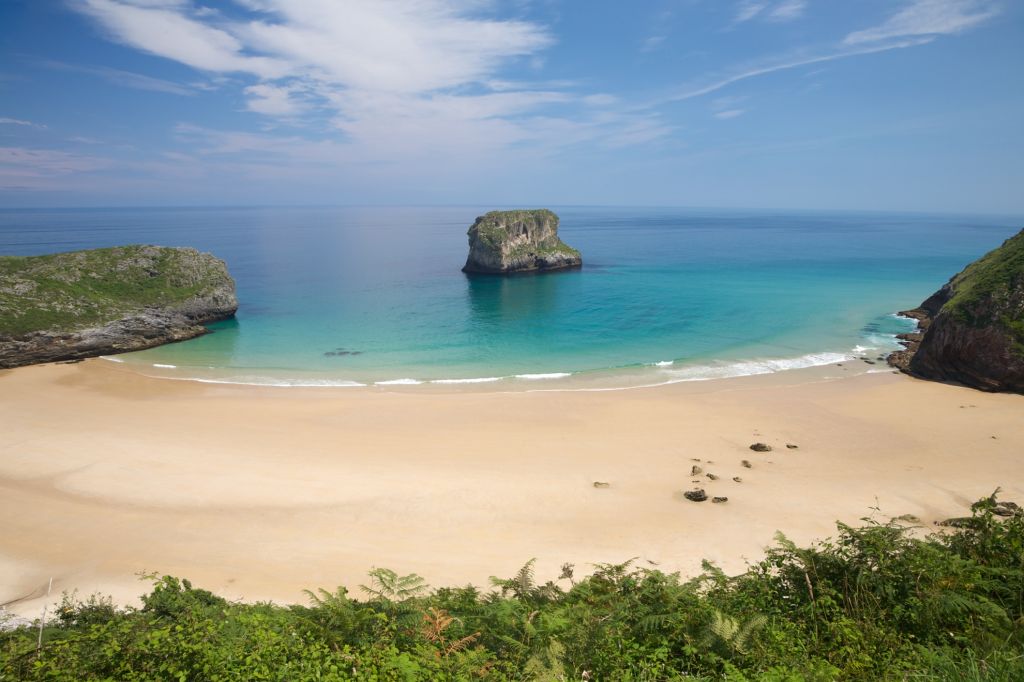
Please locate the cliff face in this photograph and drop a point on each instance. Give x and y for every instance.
(518, 241)
(972, 329)
(80, 304)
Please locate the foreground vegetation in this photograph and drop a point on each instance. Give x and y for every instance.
(875, 603)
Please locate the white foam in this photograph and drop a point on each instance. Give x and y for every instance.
(536, 377)
(478, 380)
(860, 349)
(157, 364)
(398, 382)
(104, 357)
(665, 363)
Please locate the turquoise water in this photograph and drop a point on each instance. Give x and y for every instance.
(347, 296)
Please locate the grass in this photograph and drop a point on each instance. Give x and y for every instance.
(76, 290)
(984, 292)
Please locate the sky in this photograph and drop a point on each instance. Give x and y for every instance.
(783, 104)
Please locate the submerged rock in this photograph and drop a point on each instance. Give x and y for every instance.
(80, 304)
(971, 331)
(502, 242)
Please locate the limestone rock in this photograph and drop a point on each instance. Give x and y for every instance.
(971, 331)
(503, 242)
(69, 306)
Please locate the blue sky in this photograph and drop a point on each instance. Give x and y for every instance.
(850, 104)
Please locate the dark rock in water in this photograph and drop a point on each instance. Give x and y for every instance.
(971, 331)
(719, 500)
(502, 242)
(761, 447)
(697, 495)
(69, 306)
(695, 470)
(746, 463)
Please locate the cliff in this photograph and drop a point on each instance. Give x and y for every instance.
(972, 329)
(68, 306)
(518, 241)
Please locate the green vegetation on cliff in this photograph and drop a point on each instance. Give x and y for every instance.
(79, 289)
(991, 290)
(876, 603)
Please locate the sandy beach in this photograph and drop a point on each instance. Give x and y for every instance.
(258, 493)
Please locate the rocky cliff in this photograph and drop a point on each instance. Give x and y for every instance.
(518, 241)
(80, 304)
(972, 329)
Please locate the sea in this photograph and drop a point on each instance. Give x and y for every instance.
(371, 297)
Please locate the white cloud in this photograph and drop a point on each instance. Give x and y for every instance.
(27, 168)
(273, 100)
(748, 9)
(788, 10)
(728, 113)
(128, 79)
(164, 30)
(784, 64)
(20, 122)
(928, 18)
(785, 10)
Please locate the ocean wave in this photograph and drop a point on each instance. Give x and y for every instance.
(110, 359)
(478, 380)
(663, 363)
(550, 375)
(161, 366)
(398, 382)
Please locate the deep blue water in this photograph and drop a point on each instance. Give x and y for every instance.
(715, 292)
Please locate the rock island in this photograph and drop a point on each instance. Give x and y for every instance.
(68, 306)
(503, 242)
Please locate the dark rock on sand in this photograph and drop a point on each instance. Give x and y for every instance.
(719, 500)
(697, 495)
(761, 447)
(746, 463)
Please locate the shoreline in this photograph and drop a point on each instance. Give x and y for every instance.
(257, 493)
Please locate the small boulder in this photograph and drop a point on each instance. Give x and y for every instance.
(719, 500)
(602, 484)
(761, 447)
(792, 446)
(697, 495)
(746, 463)
(713, 477)
(696, 470)
(737, 479)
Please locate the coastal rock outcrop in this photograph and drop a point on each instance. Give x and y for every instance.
(80, 304)
(971, 331)
(502, 242)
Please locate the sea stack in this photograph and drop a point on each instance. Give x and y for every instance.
(504, 242)
(68, 306)
(972, 329)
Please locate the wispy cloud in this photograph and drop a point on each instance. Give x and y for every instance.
(928, 18)
(784, 10)
(20, 122)
(786, 63)
(728, 113)
(127, 79)
(398, 79)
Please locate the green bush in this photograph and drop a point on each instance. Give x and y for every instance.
(874, 603)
